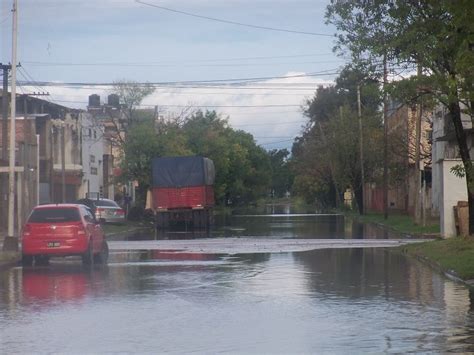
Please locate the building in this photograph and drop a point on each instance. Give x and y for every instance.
(59, 155)
(448, 188)
(401, 125)
(111, 117)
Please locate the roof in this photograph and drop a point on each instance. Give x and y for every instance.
(56, 205)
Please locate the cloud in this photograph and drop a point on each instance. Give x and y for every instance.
(271, 110)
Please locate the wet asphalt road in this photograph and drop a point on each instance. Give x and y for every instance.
(157, 301)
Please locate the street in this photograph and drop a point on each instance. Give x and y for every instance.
(238, 295)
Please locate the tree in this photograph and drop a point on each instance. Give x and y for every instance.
(281, 174)
(119, 121)
(243, 170)
(435, 34)
(142, 144)
(329, 149)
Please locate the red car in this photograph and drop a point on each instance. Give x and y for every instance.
(63, 230)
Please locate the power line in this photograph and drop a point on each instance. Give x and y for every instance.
(325, 72)
(67, 64)
(232, 22)
(198, 106)
(216, 86)
(214, 60)
(276, 142)
(187, 93)
(268, 124)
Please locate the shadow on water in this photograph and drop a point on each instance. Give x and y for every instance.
(277, 221)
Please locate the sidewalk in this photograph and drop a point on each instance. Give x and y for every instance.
(7, 259)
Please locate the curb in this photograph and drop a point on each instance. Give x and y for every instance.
(450, 274)
(8, 261)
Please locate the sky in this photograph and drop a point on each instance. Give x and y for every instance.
(191, 58)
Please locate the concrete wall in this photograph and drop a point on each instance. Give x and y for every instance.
(453, 189)
(92, 156)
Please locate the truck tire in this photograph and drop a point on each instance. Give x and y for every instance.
(196, 214)
(162, 220)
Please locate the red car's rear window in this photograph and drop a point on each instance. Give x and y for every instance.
(54, 215)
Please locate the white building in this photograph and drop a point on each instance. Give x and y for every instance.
(92, 152)
(447, 189)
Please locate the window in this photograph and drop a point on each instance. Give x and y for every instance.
(95, 134)
(54, 215)
(92, 158)
(108, 203)
(90, 132)
(93, 170)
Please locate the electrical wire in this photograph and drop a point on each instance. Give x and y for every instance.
(269, 124)
(277, 142)
(180, 65)
(230, 80)
(233, 22)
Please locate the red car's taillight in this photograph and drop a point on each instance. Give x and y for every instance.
(26, 231)
(122, 212)
(81, 231)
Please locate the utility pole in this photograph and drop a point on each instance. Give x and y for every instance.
(417, 157)
(63, 163)
(361, 147)
(3, 178)
(5, 68)
(385, 139)
(11, 242)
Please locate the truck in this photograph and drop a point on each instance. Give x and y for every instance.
(182, 191)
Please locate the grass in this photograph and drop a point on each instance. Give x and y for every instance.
(453, 254)
(400, 223)
(128, 226)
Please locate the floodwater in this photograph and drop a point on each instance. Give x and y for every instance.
(336, 301)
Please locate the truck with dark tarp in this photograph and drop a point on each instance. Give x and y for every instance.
(182, 191)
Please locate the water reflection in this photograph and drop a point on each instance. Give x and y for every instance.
(277, 221)
(354, 300)
(309, 226)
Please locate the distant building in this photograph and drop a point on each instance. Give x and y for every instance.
(111, 117)
(403, 173)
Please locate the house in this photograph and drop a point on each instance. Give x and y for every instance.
(401, 126)
(448, 188)
(92, 151)
(57, 158)
(111, 117)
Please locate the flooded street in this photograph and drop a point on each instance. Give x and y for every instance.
(155, 301)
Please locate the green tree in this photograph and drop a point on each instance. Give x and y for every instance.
(438, 35)
(242, 168)
(144, 142)
(329, 149)
(281, 175)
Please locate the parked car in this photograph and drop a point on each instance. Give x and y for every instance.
(109, 211)
(87, 202)
(105, 210)
(63, 230)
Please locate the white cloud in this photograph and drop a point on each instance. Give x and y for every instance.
(270, 121)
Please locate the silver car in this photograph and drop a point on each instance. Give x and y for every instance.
(108, 211)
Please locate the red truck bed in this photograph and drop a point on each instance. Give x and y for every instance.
(191, 197)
